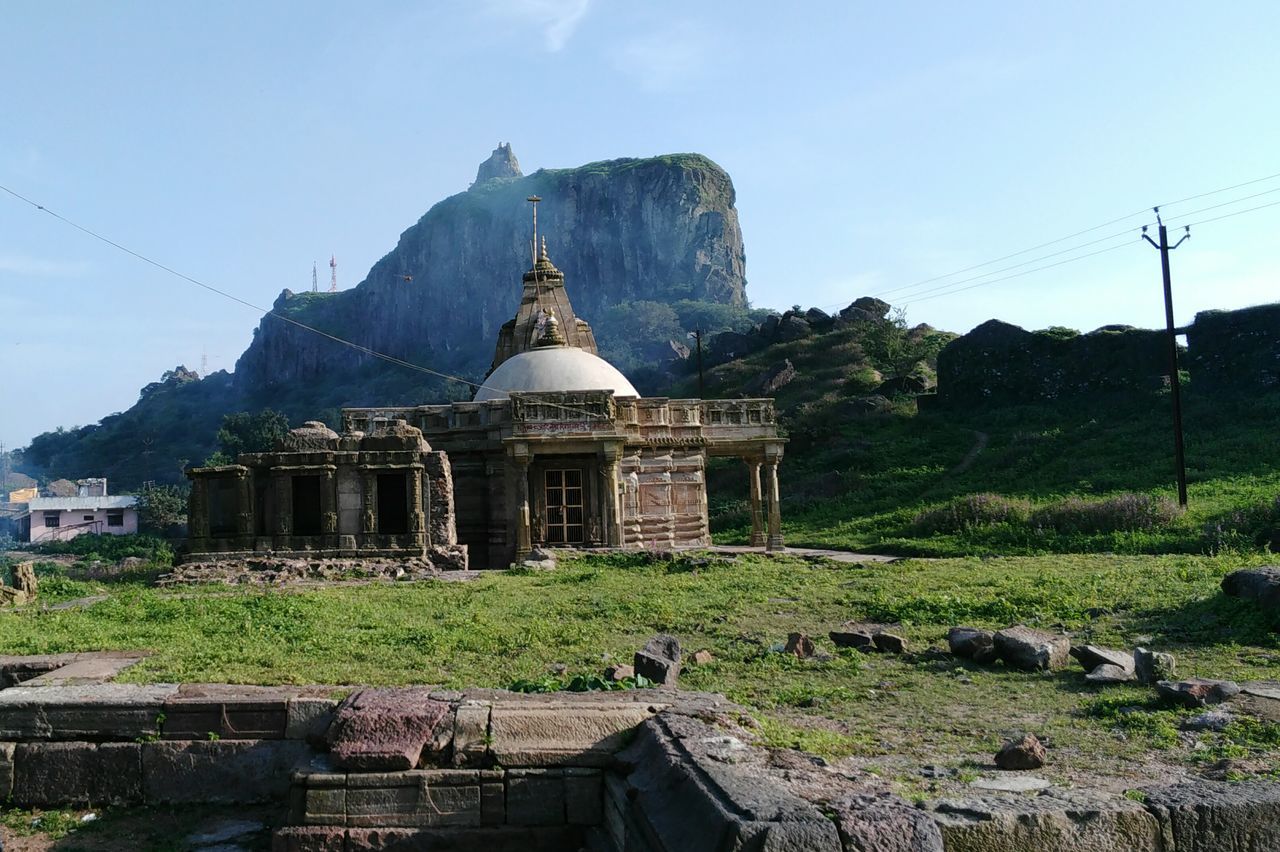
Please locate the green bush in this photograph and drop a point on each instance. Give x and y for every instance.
(1128, 512)
(972, 510)
(111, 548)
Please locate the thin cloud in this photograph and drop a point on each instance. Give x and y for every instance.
(663, 61)
(34, 267)
(558, 19)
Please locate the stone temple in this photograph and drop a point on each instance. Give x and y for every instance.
(556, 449)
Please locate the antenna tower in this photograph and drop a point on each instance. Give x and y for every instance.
(333, 274)
(315, 283)
(204, 362)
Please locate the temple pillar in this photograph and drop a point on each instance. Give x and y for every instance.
(524, 536)
(329, 503)
(198, 508)
(757, 507)
(774, 541)
(283, 486)
(244, 505)
(417, 517)
(612, 521)
(368, 502)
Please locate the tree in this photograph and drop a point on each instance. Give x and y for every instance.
(161, 507)
(244, 432)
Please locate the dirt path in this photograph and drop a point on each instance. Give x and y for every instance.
(979, 444)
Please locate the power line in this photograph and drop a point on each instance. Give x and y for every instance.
(1021, 252)
(910, 296)
(1229, 215)
(1102, 251)
(358, 347)
(1024, 272)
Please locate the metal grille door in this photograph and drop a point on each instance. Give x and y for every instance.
(565, 522)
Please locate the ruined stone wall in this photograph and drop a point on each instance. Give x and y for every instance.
(1236, 351)
(1227, 351)
(1002, 363)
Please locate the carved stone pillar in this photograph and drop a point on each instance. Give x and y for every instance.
(329, 503)
(757, 507)
(524, 536)
(612, 521)
(198, 508)
(417, 517)
(282, 484)
(368, 502)
(775, 513)
(244, 505)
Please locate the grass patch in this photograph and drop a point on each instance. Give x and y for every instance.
(556, 629)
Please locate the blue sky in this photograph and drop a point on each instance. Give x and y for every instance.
(872, 145)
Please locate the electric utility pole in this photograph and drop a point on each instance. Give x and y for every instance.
(1175, 386)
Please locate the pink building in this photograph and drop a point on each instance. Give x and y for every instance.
(61, 518)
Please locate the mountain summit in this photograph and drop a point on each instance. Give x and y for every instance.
(502, 163)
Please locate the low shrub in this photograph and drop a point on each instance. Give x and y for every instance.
(1254, 526)
(1128, 512)
(972, 510)
(111, 548)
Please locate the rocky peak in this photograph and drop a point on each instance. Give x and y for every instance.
(502, 163)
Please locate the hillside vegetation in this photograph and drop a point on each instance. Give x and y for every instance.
(1094, 473)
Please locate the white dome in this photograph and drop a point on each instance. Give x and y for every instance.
(554, 368)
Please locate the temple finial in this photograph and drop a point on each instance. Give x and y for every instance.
(533, 247)
(544, 248)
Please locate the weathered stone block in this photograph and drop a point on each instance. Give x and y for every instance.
(87, 669)
(1032, 650)
(324, 806)
(309, 718)
(6, 770)
(1208, 816)
(95, 712)
(972, 643)
(67, 773)
(493, 804)
(184, 771)
(385, 729)
(583, 796)
(556, 733)
(420, 804)
(1054, 821)
(885, 823)
(309, 839)
(470, 733)
(679, 798)
(535, 799)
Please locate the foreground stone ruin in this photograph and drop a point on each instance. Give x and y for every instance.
(632, 771)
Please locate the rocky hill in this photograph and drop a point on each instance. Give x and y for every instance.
(662, 229)
(651, 248)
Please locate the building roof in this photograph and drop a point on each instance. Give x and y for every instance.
(81, 504)
(554, 368)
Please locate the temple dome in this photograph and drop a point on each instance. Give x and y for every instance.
(554, 368)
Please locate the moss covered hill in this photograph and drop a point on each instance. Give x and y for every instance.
(660, 230)
(1067, 447)
(651, 248)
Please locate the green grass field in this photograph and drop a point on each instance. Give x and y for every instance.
(505, 627)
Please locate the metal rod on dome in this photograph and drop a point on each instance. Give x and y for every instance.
(533, 247)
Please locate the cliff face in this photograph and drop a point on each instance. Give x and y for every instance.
(660, 229)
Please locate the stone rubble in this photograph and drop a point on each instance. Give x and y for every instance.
(1025, 753)
(1151, 667)
(1032, 650)
(659, 660)
(971, 643)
